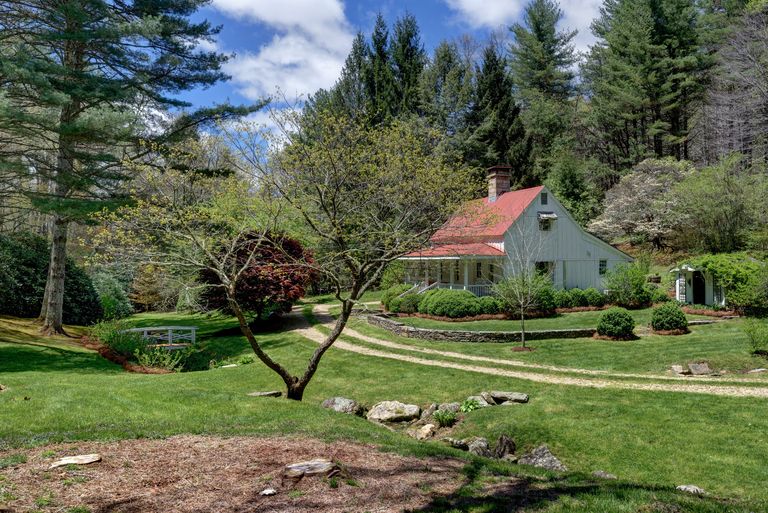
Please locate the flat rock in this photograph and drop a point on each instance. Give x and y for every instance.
(273, 393)
(479, 447)
(488, 398)
(503, 397)
(83, 459)
(427, 413)
(228, 366)
(699, 369)
(267, 492)
(689, 488)
(542, 457)
(423, 432)
(482, 403)
(342, 405)
(393, 411)
(505, 446)
(678, 369)
(601, 474)
(456, 443)
(753, 371)
(3, 388)
(454, 407)
(310, 468)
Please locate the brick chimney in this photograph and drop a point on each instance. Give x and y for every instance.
(498, 181)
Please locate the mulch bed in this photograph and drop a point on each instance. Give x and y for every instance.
(187, 474)
(107, 353)
(482, 317)
(671, 332)
(709, 313)
(615, 339)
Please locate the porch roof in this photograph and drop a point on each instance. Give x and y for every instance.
(455, 251)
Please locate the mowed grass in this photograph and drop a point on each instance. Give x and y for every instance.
(558, 322)
(723, 345)
(653, 441)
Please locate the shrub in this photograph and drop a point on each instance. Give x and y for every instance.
(394, 304)
(114, 300)
(445, 418)
(23, 272)
(469, 405)
(578, 297)
(668, 317)
(757, 334)
(563, 299)
(594, 297)
(162, 358)
(392, 292)
(616, 323)
(451, 303)
(545, 300)
(627, 285)
(409, 303)
(658, 295)
(112, 334)
(489, 305)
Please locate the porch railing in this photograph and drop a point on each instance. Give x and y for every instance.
(478, 290)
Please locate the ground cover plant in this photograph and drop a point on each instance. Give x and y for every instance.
(572, 420)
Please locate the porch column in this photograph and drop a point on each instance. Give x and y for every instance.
(466, 274)
(452, 272)
(426, 272)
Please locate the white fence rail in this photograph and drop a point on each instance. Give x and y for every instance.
(169, 337)
(478, 290)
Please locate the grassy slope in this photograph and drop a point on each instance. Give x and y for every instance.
(723, 345)
(650, 439)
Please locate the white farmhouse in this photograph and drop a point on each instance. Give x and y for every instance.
(492, 236)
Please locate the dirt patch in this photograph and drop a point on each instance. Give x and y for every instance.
(199, 474)
(520, 349)
(107, 353)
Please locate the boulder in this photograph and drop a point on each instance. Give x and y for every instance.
(342, 405)
(3, 388)
(393, 411)
(601, 474)
(699, 369)
(689, 488)
(456, 443)
(510, 458)
(425, 414)
(423, 432)
(84, 459)
(273, 393)
(479, 447)
(542, 457)
(514, 397)
(482, 403)
(504, 446)
(310, 468)
(488, 398)
(454, 407)
(678, 369)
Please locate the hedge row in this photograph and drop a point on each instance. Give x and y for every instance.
(576, 297)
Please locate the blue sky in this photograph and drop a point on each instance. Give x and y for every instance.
(298, 46)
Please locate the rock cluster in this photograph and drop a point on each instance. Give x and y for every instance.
(393, 411)
(694, 369)
(497, 397)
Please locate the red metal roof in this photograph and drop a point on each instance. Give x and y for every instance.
(456, 250)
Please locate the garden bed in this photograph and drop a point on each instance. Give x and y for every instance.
(709, 312)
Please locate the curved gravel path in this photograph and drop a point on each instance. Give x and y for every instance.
(302, 327)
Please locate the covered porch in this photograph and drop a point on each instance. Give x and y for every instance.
(698, 287)
(472, 267)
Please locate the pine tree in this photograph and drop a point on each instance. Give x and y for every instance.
(379, 75)
(495, 131)
(408, 59)
(446, 89)
(77, 78)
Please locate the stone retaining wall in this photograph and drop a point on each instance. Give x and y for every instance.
(398, 328)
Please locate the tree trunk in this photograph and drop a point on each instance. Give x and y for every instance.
(522, 326)
(52, 311)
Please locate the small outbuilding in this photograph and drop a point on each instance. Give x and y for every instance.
(697, 286)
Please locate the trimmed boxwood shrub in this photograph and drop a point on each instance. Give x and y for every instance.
(408, 303)
(563, 299)
(489, 305)
(545, 303)
(668, 317)
(616, 323)
(392, 292)
(594, 297)
(578, 298)
(451, 303)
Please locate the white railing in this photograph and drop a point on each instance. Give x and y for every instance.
(480, 290)
(169, 337)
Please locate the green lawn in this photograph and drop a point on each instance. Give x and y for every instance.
(723, 345)
(558, 322)
(653, 441)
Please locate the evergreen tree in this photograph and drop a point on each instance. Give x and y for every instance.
(408, 59)
(495, 132)
(379, 75)
(77, 77)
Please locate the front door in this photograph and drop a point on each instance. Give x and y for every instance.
(698, 284)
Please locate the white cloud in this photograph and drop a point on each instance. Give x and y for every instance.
(312, 40)
(579, 15)
(488, 13)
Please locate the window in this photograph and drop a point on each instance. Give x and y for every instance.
(456, 272)
(479, 270)
(545, 225)
(491, 271)
(602, 267)
(544, 198)
(546, 269)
